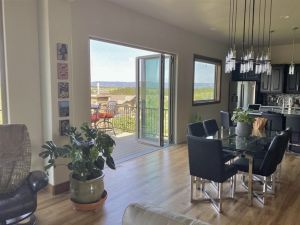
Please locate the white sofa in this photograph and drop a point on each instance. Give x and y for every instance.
(142, 214)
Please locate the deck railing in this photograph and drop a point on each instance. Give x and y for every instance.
(125, 120)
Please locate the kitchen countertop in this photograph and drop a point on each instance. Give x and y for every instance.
(277, 109)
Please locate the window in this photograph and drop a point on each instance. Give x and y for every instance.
(207, 76)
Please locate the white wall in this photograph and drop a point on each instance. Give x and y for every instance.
(22, 70)
(100, 19)
(282, 54)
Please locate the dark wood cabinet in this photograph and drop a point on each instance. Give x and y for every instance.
(273, 83)
(237, 76)
(293, 81)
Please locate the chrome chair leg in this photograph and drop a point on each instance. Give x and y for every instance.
(192, 187)
(233, 186)
(220, 187)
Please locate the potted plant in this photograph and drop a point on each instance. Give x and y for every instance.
(244, 122)
(89, 150)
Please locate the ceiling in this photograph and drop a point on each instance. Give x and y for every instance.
(209, 18)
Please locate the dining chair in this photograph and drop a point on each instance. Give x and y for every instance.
(196, 129)
(264, 167)
(206, 163)
(275, 121)
(226, 122)
(210, 127)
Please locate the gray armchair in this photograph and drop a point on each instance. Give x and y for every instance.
(18, 186)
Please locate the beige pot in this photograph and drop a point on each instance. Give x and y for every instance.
(88, 191)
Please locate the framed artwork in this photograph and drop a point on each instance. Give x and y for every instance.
(62, 71)
(63, 108)
(63, 127)
(62, 51)
(63, 90)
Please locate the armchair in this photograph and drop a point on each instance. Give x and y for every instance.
(18, 186)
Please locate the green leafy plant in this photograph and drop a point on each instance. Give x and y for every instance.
(196, 117)
(88, 152)
(242, 116)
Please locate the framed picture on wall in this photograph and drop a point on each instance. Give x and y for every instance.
(63, 127)
(62, 51)
(62, 71)
(63, 108)
(63, 90)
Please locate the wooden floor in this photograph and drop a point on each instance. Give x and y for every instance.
(162, 178)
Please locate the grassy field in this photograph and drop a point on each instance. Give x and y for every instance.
(205, 93)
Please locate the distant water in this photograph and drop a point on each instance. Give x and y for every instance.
(133, 85)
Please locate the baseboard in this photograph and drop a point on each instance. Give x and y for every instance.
(59, 188)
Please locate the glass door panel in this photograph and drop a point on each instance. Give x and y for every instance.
(150, 80)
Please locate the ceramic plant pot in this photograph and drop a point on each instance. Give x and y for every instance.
(243, 129)
(85, 192)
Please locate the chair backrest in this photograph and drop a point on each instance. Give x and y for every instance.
(15, 156)
(211, 127)
(275, 121)
(286, 134)
(270, 160)
(225, 119)
(196, 129)
(206, 158)
(112, 107)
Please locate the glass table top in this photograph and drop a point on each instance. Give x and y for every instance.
(257, 141)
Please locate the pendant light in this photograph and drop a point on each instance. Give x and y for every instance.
(292, 65)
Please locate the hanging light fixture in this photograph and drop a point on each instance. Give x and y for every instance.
(292, 65)
(231, 55)
(248, 62)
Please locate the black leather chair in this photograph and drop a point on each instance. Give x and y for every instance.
(276, 121)
(196, 129)
(206, 162)
(18, 186)
(226, 121)
(266, 166)
(210, 127)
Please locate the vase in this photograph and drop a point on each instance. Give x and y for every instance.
(243, 129)
(85, 192)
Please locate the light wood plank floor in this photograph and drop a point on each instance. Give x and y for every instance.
(162, 178)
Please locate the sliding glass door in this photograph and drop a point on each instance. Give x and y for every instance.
(150, 92)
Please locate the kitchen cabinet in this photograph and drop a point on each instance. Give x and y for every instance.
(237, 76)
(273, 83)
(293, 81)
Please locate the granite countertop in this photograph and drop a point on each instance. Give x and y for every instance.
(295, 111)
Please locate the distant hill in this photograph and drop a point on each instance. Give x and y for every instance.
(133, 85)
(113, 84)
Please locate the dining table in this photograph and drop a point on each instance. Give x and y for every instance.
(256, 143)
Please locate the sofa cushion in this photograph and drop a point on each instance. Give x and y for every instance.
(143, 214)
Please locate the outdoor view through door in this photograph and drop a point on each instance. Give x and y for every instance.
(133, 86)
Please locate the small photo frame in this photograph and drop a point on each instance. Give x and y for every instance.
(63, 127)
(63, 90)
(64, 108)
(62, 71)
(62, 51)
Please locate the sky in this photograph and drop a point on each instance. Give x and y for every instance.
(111, 62)
(204, 72)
